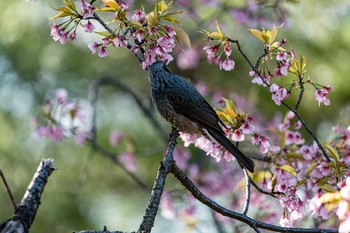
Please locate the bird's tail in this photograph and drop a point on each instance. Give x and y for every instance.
(222, 140)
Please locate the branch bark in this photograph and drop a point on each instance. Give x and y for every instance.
(25, 212)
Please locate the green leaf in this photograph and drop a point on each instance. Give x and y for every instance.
(182, 36)
(283, 139)
(257, 34)
(288, 169)
(311, 168)
(170, 19)
(327, 188)
(104, 33)
(71, 5)
(333, 153)
(294, 156)
(61, 15)
(229, 104)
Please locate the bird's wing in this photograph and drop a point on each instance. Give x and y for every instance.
(193, 106)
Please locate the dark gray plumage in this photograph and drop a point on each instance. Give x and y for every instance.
(178, 101)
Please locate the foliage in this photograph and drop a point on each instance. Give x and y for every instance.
(303, 178)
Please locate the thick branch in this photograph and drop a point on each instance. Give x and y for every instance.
(25, 212)
(164, 169)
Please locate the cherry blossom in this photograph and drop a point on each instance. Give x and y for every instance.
(278, 93)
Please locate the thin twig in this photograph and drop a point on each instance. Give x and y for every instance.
(84, 172)
(217, 223)
(147, 110)
(8, 189)
(308, 130)
(283, 102)
(129, 45)
(115, 160)
(263, 191)
(302, 89)
(247, 191)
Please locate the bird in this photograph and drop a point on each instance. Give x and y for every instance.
(179, 102)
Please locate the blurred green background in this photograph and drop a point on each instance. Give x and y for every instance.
(32, 66)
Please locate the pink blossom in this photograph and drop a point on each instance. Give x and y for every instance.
(344, 226)
(88, 27)
(105, 41)
(152, 31)
(138, 15)
(281, 187)
(181, 156)
(128, 160)
(218, 61)
(170, 31)
(278, 93)
(308, 152)
(139, 35)
(211, 58)
(258, 80)
(290, 115)
(297, 125)
(211, 50)
(55, 133)
(202, 88)
(247, 128)
(58, 34)
(167, 208)
(103, 52)
(188, 212)
(293, 204)
(115, 138)
(211, 149)
(227, 49)
(317, 208)
(337, 129)
(93, 47)
(296, 215)
(262, 142)
(321, 95)
(61, 96)
(87, 8)
(343, 210)
(228, 64)
(293, 138)
(323, 169)
(282, 69)
(237, 136)
(285, 221)
(188, 139)
(228, 156)
(73, 36)
(188, 59)
(80, 137)
(149, 58)
(281, 56)
(345, 191)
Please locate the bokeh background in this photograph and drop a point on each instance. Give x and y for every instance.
(88, 191)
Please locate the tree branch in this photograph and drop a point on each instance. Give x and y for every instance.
(157, 190)
(247, 191)
(283, 102)
(25, 212)
(8, 189)
(235, 215)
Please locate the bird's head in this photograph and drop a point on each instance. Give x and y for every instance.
(158, 66)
